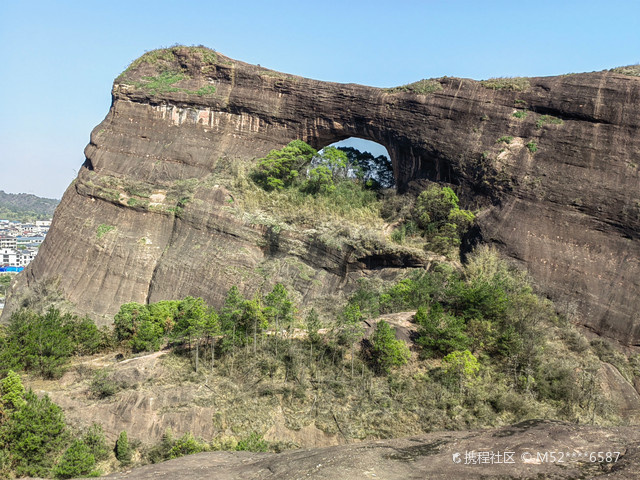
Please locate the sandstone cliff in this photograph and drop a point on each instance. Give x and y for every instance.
(152, 213)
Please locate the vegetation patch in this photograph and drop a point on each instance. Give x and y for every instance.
(515, 84)
(520, 114)
(532, 146)
(423, 87)
(633, 70)
(303, 186)
(437, 219)
(505, 139)
(162, 83)
(548, 120)
(103, 229)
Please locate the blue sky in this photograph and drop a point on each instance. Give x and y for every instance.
(60, 57)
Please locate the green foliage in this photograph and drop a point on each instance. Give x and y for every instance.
(461, 364)
(5, 280)
(95, 441)
(515, 84)
(505, 139)
(320, 181)
(532, 146)
(548, 120)
(375, 172)
(439, 332)
(11, 392)
(33, 434)
(190, 318)
(280, 168)
(520, 114)
(253, 443)
(441, 221)
(128, 318)
(123, 450)
(202, 91)
(103, 229)
(76, 461)
(148, 337)
(434, 205)
(162, 83)
(86, 336)
(39, 343)
(186, 445)
(423, 87)
(144, 327)
(386, 350)
(279, 308)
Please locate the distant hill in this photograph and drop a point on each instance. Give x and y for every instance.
(26, 207)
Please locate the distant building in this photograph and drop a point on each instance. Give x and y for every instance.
(8, 242)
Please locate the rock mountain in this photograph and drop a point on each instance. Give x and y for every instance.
(552, 165)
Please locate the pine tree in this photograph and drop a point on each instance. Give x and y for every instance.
(123, 450)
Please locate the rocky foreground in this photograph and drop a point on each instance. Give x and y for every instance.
(531, 449)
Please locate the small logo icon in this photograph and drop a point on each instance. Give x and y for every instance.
(456, 458)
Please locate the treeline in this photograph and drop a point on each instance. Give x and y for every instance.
(25, 207)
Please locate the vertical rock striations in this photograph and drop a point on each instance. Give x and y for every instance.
(553, 164)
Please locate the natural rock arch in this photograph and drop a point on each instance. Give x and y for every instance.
(558, 183)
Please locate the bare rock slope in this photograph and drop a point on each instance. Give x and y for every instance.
(533, 449)
(551, 162)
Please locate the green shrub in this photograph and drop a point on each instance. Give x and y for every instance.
(386, 350)
(11, 392)
(95, 441)
(85, 336)
(520, 114)
(76, 461)
(460, 366)
(126, 321)
(103, 229)
(123, 449)
(423, 87)
(34, 434)
(186, 445)
(437, 213)
(440, 333)
(161, 83)
(532, 146)
(40, 343)
(103, 385)
(548, 120)
(516, 84)
(505, 139)
(253, 443)
(280, 168)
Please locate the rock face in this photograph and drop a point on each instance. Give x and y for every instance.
(529, 446)
(557, 183)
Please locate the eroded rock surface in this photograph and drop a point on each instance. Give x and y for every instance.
(560, 193)
(443, 455)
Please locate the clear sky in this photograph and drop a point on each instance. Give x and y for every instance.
(60, 57)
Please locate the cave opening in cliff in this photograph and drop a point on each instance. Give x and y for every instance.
(367, 159)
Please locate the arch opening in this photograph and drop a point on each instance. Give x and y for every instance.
(367, 159)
